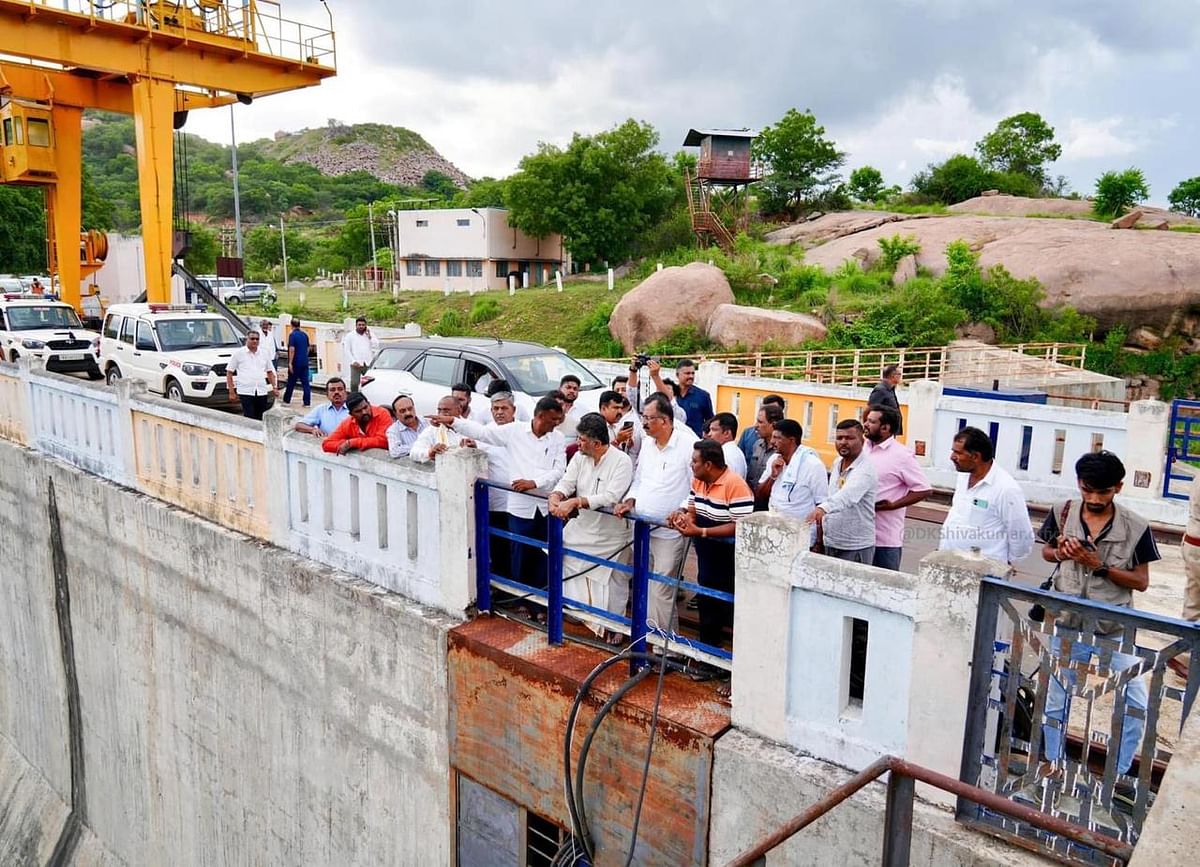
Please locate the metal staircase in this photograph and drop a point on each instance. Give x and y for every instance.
(705, 222)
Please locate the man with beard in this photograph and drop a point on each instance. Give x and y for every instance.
(845, 519)
(902, 483)
(1102, 552)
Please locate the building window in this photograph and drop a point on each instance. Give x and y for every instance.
(463, 221)
(453, 267)
(412, 268)
(502, 268)
(39, 132)
(421, 224)
(432, 267)
(474, 267)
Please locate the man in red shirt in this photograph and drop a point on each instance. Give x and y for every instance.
(366, 428)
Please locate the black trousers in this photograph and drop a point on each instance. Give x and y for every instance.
(714, 570)
(254, 405)
(528, 564)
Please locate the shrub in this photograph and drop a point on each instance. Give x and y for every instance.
(684, 340)
(896, 248)
(959, 178)
(450, 324)
(866, 184)
(1185, 198)
(1117, 192)
(916, 314)
(483, 310)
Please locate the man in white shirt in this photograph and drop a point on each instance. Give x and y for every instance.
(722, 428)
(438, 436)
(661, 481)
(597, 478)
(988, 513)
(358, 348)
(270, 343)
(568, 387)
(845, 519)
(407, 428)
(504, 411)
(255, 372)
(536, 460)
(794, 479)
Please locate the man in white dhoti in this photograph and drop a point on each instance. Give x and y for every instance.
(597, 478)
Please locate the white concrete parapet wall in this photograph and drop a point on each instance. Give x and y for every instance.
(77, 422)
(792, 649)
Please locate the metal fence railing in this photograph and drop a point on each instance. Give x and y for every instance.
(641, 631)
(1075, 723)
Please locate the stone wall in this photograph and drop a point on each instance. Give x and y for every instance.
(235, 704)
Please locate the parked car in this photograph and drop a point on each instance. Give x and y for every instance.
(49, 330)
(246, 292)
(180, 351)
(426, 367)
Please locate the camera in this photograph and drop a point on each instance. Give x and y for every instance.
(641, 360)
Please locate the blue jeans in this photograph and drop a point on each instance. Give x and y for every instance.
(302, 376)
(1058, 705)
(888, 558)
(527, 564)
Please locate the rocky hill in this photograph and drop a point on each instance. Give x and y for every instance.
(391, 153)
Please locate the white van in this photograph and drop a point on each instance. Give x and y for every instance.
(179, 350)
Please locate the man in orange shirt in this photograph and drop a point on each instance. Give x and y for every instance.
(366, 428)
(718, 500)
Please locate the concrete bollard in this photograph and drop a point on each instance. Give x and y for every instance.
(512, 285)
(610, 279)
(558, 280)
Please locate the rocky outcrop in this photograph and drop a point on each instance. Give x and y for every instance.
(1000, 205)
(1128, 221)
(830, 227)
(754, 327)
(906, 269)
(666, 300)
(1131, 278)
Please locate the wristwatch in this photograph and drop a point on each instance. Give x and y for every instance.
(1101, 572)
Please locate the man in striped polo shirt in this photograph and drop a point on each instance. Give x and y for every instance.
(719, 498)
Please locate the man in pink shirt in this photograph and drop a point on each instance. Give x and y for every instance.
(901, 483)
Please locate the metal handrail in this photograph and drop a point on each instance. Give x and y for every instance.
(897, 832)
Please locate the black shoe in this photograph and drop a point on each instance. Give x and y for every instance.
(1124, 796)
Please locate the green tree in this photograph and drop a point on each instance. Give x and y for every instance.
(1185, 198)
(483, 193)
(1023, 144)
(801, 163)
(440, 184)
(1117, 192)
(202, 251)
(22, 229)
(600, 192)
(866, 184)
(957, 179)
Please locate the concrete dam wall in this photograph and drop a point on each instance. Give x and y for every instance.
(172, 692)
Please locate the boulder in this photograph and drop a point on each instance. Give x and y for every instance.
(1022, 206)
(754, 327)
(1144, 338)
(978, 331)
(990, 193)
(666, 300)
(906, 269)
(1129, 220)
(1117, 277)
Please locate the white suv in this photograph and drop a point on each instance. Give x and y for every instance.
(178, 350)
(49, 330)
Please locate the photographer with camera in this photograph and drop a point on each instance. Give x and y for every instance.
(1101, 552)
(662, 386)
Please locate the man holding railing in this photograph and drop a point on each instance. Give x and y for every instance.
(536, 460)
(596, 478)
(845, 519)
(661, 481)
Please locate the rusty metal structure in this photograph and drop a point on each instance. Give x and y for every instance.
(725, 169)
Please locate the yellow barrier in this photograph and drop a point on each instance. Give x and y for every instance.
(818, 414)
(217, 475)
(12, 426)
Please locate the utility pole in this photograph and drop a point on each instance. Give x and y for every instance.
(283, 245)
(371, 223)
(237, 199)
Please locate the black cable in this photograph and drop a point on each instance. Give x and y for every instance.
(637, 814)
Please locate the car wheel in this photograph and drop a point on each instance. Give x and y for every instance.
(233, 300)
(174, 391)
(113, 376)
(94, 373)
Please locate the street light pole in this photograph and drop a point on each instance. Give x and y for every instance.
(283, 244)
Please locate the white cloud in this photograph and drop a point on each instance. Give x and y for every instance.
(1090, 139)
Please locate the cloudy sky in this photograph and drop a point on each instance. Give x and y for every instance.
(897, 83)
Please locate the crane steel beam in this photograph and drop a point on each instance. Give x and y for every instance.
(64, 87)
(195, 57)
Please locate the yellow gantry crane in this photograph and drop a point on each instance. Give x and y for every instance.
(155, 60)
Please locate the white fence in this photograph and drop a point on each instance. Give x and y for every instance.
(398, 524)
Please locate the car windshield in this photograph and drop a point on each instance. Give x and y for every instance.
(541, 373)
(393, 358)
(49, 316)
(177, 334)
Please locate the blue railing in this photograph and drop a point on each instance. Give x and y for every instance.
(641, 632)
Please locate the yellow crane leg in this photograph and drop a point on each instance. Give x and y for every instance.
(64, 198)
(153, 115)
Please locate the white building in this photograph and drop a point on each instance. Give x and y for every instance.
(471, 250)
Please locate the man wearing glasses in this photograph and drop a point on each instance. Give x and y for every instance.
(661, 481)
(255, 371)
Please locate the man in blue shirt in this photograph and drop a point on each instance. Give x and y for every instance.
(693, 400)
(297, 364)
(323, 420)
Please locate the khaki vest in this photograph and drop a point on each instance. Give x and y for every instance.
(1115, 549)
